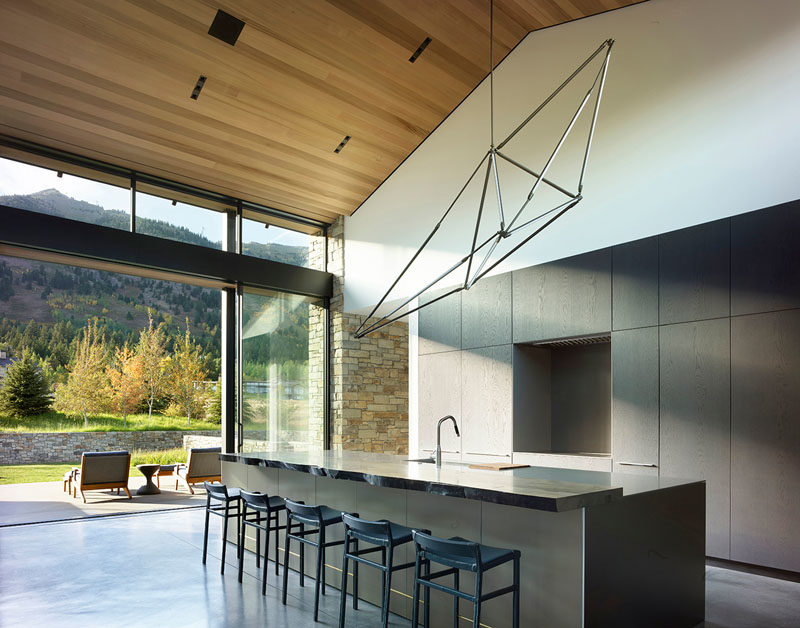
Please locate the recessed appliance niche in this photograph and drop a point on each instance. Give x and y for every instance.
(562, 396)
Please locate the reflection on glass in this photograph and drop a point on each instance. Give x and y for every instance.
(277, 244)
(282, 374)
(158, 217)
(41, 190)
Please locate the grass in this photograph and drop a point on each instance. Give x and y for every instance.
(26, 473)
(60, 422)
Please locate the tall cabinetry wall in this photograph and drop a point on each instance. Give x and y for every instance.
(705, 362)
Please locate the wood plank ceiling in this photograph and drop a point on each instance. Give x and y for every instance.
(111, 79)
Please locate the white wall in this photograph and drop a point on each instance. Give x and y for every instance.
(699, 121)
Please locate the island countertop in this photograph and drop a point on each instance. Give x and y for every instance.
(552, 490)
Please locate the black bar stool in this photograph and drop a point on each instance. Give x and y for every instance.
(385, 536)
(229, 506)
(254, 505)
(458, 554)
(298, 516)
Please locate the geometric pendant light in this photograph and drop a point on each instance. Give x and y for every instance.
(528, 218)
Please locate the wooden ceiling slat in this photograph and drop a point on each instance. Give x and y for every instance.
(111, 79)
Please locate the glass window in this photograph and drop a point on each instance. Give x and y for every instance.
(151, 374)
(42, 190)
(279, 243)
(282, 372)
(169, 218)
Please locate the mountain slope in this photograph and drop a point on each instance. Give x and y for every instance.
(55, 203)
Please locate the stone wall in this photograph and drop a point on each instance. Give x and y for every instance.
(46, 447)
(202, 440)
(369, 377)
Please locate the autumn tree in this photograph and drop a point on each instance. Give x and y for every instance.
(85, 390)
(187, 374)
(152, 354)
(24, 390)
(126, 381)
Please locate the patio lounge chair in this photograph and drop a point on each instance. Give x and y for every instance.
(202, 465)
(100, 470)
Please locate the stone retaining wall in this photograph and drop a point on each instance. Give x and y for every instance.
(202, 440)
(46, 447)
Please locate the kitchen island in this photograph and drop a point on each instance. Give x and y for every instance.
(598, 549)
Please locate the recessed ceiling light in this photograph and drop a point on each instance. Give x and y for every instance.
(419, 50)
(226, 28)
(198, 87)
(339, 148)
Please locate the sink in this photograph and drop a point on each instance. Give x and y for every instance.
(426, 460)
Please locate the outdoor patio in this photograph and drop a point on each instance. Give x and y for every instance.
(46, 501)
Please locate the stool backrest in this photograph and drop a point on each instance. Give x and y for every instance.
(376, 532)
(216, 490)
(457, 553)
(258, 500)
(302, 510)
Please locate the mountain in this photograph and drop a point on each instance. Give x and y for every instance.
(55, 203)
(43, 306)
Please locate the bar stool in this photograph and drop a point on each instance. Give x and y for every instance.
(299, 515)
(254, 505)
(230, 506)
(460, 554)
(385, 536)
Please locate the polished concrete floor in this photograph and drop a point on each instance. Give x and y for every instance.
(145, 570)
(47, 501)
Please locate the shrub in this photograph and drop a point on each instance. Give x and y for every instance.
(24, 390)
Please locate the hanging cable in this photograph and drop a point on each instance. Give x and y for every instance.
(491, 71)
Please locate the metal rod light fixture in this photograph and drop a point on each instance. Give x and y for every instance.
(488, 162)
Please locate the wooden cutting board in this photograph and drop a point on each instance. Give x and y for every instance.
(498, 466)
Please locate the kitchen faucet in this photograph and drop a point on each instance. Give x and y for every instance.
(439, 437)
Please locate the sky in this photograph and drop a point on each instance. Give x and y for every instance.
(19, 178)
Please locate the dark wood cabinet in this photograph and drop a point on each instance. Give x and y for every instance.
(486, 313)
(635, 284)
(439, 395)
(440, 323)
(765, 439)
(765, 260)
(634, 400)
(486, 383)
(695, 436)
(570, 297)
(694, 273)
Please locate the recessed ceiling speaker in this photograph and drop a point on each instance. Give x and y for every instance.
(226, 28)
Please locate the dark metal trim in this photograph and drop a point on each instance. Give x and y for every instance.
(228, 367)
(71, 237)
(239, 418)
(133, 204)
(326, 376)
(326, 366)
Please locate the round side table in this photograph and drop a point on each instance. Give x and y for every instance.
(148, 470)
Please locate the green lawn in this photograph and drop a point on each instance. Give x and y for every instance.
(60, 422)
(25, 473)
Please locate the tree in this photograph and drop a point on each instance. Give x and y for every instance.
(24, 389)
(152, 354)
(214, 412)
(127, 386)
(85, 390)
(187, 373)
